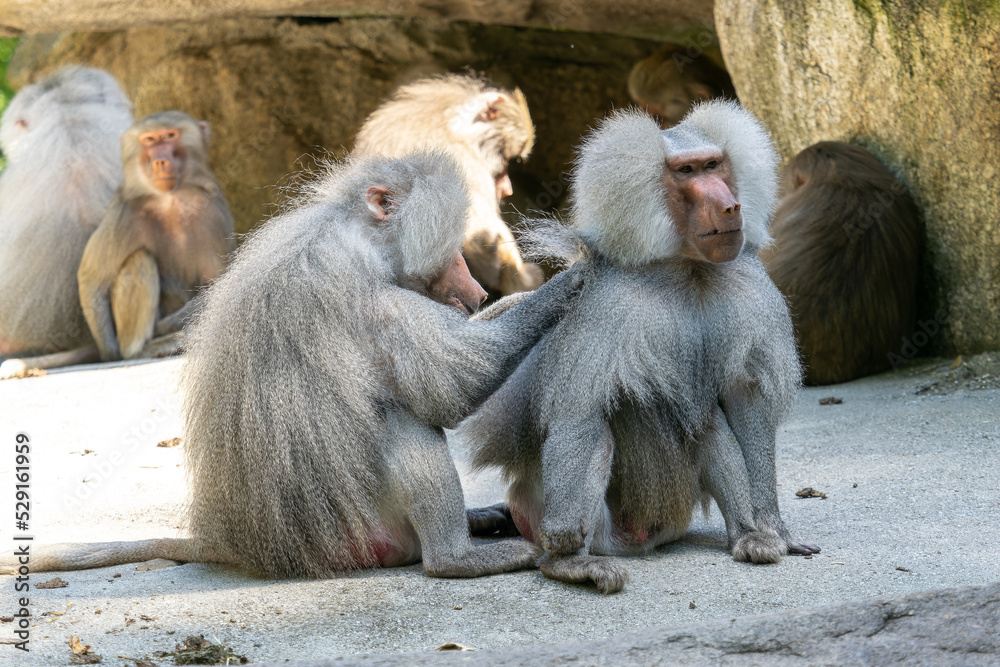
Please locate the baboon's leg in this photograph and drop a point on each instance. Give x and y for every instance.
(724, 475)
(425, 482)
(748, 420)
(135, 302)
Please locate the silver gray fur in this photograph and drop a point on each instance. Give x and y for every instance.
(318, 384)
(319, 380)
(61, 140)
(665, 381)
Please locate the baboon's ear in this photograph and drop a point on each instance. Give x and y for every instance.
(700, 91)
(492, 109)
(206, 132)
(377, 197)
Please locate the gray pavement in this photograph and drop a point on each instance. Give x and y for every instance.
(912, 504)
(954, 626)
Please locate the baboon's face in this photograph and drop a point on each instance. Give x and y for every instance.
(454, 285)
(699, 191)
(162, 157)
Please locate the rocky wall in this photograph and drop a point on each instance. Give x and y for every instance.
(918, 84)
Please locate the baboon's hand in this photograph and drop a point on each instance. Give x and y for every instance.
(559, 541)
(771, 521)
(552, 300)
(568, 282)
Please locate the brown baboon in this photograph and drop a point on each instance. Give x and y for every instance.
(665, 381)
(320, 374)
(167, 232)
(60, 137)
(846, 252)
(669, 82)
(484, 128)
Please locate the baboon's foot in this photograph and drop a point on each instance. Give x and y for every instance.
(609, 575)
(485, 559)
(760, 546)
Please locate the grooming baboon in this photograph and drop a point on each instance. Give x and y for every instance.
(320, 374)
(669, 82)
(846, 252)
(484, 128)
(665, 381)
(167, 232)
(60, 137)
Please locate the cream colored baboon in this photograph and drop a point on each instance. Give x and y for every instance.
(484, 128)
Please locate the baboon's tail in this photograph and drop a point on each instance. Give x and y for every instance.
(83, 556)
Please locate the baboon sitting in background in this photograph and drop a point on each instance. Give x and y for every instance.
(167, 233)
(484, 128)
(60, 138)
(669, 83)
(847, 238)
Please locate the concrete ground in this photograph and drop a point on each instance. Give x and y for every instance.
(912, 504)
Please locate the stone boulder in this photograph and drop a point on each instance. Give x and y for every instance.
(632, 17)
(917, 84)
